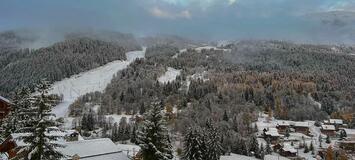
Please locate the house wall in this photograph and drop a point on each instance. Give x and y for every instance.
(329, 133)
(304, 130)
(4, 109)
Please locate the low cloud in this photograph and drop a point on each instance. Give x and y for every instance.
(165, 14)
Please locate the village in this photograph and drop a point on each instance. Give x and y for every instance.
(293, 140)
(306, 140)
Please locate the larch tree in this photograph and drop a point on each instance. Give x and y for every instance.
(38, 131)
(153, 136)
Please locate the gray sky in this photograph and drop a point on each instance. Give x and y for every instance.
(211, 19)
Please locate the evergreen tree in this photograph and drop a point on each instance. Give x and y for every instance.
(311, 147)
(342, 135)
(225, 116)
(320, 141)
(133, 135)
(37, 132)
(254, 145)
(306, 149)
(153, 136)
(194, 146)
(327, 140)
(268, 149)
(262, 151)
(287, 134)
(13, 120)
(214, 148)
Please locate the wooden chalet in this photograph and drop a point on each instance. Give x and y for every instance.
(288, 151)
(301, 127)
(282, 126)
(347, 145)
(272, 134)
(328, 130)
(350, 134)
(4, 107)
(336, 122)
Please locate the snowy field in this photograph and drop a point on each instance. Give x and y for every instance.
(90, 81)
(169, 76)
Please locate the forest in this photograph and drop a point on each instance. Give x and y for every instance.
(23, 66)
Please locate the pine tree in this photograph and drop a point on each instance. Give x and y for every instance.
(153, 136)
(194, 146)
(327, 140)
(225, 116)
(214, 148)
(42, 144)
(306, 149)
(13, 120)
(268, 149)
(254, 145)
(320, 141)
(262, 151)
(311, 147)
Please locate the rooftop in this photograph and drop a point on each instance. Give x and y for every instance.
(301, 124)
(328, 127)
(4, 99)
(93, 149)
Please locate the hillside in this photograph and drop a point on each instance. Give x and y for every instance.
(24, 67)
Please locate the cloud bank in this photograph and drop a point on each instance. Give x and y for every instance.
(201, 19)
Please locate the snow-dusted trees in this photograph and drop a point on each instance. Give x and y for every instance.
(153, 136)
(13, 121)
(194, 145)
(39, 128)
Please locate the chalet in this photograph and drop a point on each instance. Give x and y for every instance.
(12, 144)
(347, 145)
(288, 151)
(4, 107)
(95, 149)
(272, 134)
(301, 127)
(336, 122)
(328, 130)
(350, 134)
(282, 126)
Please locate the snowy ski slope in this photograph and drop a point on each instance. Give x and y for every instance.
(90, 81)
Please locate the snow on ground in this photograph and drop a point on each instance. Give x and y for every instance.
(90, 81)
(199, 49)
(128, 149)
(113, 118)
(169, 76)
(237, 157)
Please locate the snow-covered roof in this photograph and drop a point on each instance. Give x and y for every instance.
(273, 157)
(335, 121)
(4, 99)
(301, 124)
(328, 127)
(289, 148)
(349, 131)
(273, 132)
(237, 157)
(94, 149)
(129, 149)
(283, 123)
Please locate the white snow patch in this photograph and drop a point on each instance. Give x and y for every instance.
(169, 76)
(90, 81)
(114, 118)
(237, 157)
(129, 149)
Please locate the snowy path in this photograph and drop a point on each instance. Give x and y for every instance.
(90, 81)
(169, 76)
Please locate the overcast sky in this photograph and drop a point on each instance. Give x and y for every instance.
(217, 19)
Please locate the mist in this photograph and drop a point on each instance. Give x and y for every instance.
(299, 21)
